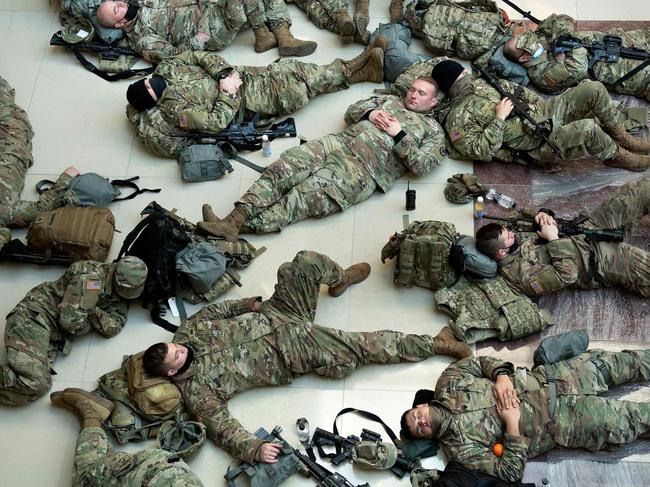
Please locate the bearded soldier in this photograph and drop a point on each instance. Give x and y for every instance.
(89, 296)
(242, 344)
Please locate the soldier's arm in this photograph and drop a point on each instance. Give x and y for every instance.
(420, 156)
(476, 133)
(481, 367)
(560, 73)
(223, 112)
(212, 63)
(85, 284)
(356, 111)
(226, 309)
(110, 316)
(155, 48)
(210, 408)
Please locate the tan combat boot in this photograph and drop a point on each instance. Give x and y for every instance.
(289, 45)
(380, 41)
(345, 26)
(208, 214)
(373, 69)
(352, 275)
(92, 410)
(264, 39)
(229, 227)
(396, 10)
(627, 140)
(447, 344)
(629, 160)
(361, 15)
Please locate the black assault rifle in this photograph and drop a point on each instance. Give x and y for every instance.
(566, 228)
(109, 52)
(245, 135)
(323, 476)
(523, 12)
(17, 251)
(345, 445)
(608, 51)
(521, 109)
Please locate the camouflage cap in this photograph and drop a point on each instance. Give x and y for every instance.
(528, 41)
(77, 29)
(5, 236)
(462, 187)
(375, 455)
(130, 275)
(181, 437)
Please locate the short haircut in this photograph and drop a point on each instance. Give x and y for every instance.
(511, 51)
(153, 360)
(428, 79)
(488, 239)
(405, 432)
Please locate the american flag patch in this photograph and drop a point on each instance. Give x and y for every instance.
(454, 136)
(93, 285)
(536, 286)
(182, 120)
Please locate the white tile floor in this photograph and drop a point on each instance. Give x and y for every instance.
(79, 119)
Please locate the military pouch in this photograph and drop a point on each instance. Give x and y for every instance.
(111, 65)
(561, 347)
(374, 455)
(181, 436)
(154, 396)
(203, 162)
(202, 264)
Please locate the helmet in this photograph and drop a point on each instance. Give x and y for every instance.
(181, 436)
(129, 277)
(77, 29)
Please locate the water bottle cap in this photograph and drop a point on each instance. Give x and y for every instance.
(480, 199)
(265, 138)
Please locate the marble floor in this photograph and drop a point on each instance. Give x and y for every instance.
(79, 119)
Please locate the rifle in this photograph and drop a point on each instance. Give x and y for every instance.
(345, 445)
(608, 51)
(521, 108)
(323, 476)
(245, 135)
(526, 14)
(17, 251)
(108, 52)
(566, 228)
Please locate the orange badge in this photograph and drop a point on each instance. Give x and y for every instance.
(497, 449)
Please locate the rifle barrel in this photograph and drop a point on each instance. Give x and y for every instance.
(523, 12)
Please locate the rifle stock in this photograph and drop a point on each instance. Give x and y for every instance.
(244, 135)
(17, 251)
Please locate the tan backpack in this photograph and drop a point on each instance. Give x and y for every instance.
(84, 232)
(154, 396)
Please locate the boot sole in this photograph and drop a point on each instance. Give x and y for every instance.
(266, 48)
(298, 51)
(347, 28)
(633, 169)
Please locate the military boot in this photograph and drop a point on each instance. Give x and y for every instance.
(345, 26)
(229, 227)
(92, 410)
(627, 140)
(446, 343)
(396, 10)
(362, 16)
(352, 275)
(373, 70)
(381, 41)
(289, 45)
(357, 63)
(208, 214)
(629, 160)
(264, 39)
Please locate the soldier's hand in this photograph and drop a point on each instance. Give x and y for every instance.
(385, 122)
(549, 232)
(544, 219)
(560, 57)
(504, 108)
(504, 392)
(202, 37)
(511, 418)
(231, 83)
(268, 452)
(72, 171)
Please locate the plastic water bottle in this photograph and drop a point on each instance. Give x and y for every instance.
(501, 199)
(266, 146)
(303, 430)
(479, 207)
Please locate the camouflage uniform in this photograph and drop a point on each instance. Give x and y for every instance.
(322, 13)
(337, 171)
(471, 424)
(15, 159)
(192, 100)
(96, 463)
(47, 319)
(537, 268)
(465, 31)
(236, 349)
(468, 115)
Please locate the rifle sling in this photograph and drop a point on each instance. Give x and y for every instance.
(128, 73)
(230, 152)
(632, 72)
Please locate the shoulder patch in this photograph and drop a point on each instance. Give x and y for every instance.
(92, 285)
(454, 136)
(536, 286)
(182, 120)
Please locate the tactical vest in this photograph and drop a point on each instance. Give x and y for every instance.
(490, 308)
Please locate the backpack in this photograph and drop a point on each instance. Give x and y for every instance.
(455, 475)
(84, 232)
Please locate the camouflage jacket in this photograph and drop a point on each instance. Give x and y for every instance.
(537, 268)
(419, 151)
(79, 301)
(469, 118)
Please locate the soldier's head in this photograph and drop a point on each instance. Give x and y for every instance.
(421, 421)
(446, 73)
(129, 275)
(114, 14)
(522, 48)
(164, 359)
(422, 96)
(145, 93)
(496, 241)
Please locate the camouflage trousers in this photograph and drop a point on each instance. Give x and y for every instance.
(96, 463)
(30, 355)
(585, 420)
(322, 13)
(328, 351)
(622, 264)
(577, 116)
(315, 179)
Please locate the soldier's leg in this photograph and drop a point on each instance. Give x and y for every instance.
(27, 376)
(90, 456)
(318, 15)
(625, 208)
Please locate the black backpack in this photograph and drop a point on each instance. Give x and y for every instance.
(455, 475)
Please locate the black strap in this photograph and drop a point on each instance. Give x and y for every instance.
(43, 185)
(128, 73)
(230, 152)
(366, 415)
(632, 72)
(128, 183)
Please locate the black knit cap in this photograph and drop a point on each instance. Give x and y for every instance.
(139, 97)
(445, 74)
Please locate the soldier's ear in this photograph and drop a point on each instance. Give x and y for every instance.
(171, 372)
(525, 57)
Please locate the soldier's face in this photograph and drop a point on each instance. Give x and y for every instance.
(113, 13)
(421, 97)
(175, 359)
(419, 421)
(508, 239)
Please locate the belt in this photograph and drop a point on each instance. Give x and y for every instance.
(552, 390)
(600, 365)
